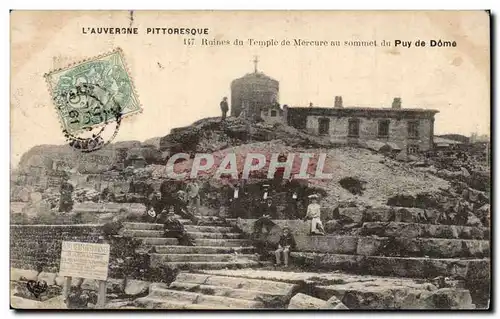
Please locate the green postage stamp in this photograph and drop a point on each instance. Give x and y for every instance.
(93, 93)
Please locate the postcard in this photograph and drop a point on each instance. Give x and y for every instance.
(237, 160)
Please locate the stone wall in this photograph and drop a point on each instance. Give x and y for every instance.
(33, 246)
(368, 130)
(38, 248)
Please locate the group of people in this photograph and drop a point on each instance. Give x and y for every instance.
(183, 199)
(174, 196)
(287, 242)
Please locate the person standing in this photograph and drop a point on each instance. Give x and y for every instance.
(224, 107)
(193, 193)
(66, 197)
(235, 193)
(314, 214)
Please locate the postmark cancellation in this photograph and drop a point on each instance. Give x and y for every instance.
(93, 93)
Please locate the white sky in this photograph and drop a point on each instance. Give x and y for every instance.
(191, 81)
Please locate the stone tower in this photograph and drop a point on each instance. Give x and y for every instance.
(252, 92)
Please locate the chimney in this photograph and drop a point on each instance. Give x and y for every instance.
(396, 103)
(338, 102)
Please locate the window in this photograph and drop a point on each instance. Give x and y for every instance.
(273, 113)
(413, 149)
(353, 128)
(383, 128)
(413, 128)
(323, 126)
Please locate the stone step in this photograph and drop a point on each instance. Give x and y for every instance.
(142, 233)
(396, 214)
(209, 229)
(142, 226)
(194, 235)
(245, 294)
(159, 303)
(422, 247)
(163, 258)
(175, 249)
(268, 286)
(414, 267)
(158, 292)
(152, 241)
(388, 229)
(401, 246)
(372, 296)
(196, 265)
(214, 235)
(223, 242)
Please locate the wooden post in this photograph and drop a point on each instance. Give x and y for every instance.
(101, 297)
(67, 289)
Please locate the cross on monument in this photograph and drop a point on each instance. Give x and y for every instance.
(255, 62)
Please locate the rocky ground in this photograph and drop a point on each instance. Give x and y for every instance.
(250, 288)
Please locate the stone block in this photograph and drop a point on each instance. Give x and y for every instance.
(135, 287)
(303, 301)
(335, 303)
(49, 278)
(352, 214)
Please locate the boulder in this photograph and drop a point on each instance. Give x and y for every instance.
(49, 278)
(379, 214)
(450, 298)
(332, 226)
(136, 287)
(115, 285)
(335, 303)
(472, 220)
(410, 215)
(370, 246)
(303, 301)
(351, 214)
(59, 280)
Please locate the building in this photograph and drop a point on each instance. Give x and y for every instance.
(445, 143)
(253, 93)
(412, 130)
(272, 113)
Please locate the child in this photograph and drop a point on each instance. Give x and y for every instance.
(286, 243)
(314, 213)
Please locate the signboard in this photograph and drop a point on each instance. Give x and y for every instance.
(84, 260)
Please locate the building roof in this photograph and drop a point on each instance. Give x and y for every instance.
(445, 141)
(255, 76)
(363, 111)
(370, 109)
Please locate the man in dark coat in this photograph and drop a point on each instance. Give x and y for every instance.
(66, 200)
(224, 107)
(269, 212)
(236, 194)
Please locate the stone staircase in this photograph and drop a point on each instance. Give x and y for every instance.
(204, 291)
(217, 246)
(402, 248)
(397, 250)
(395, 245)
